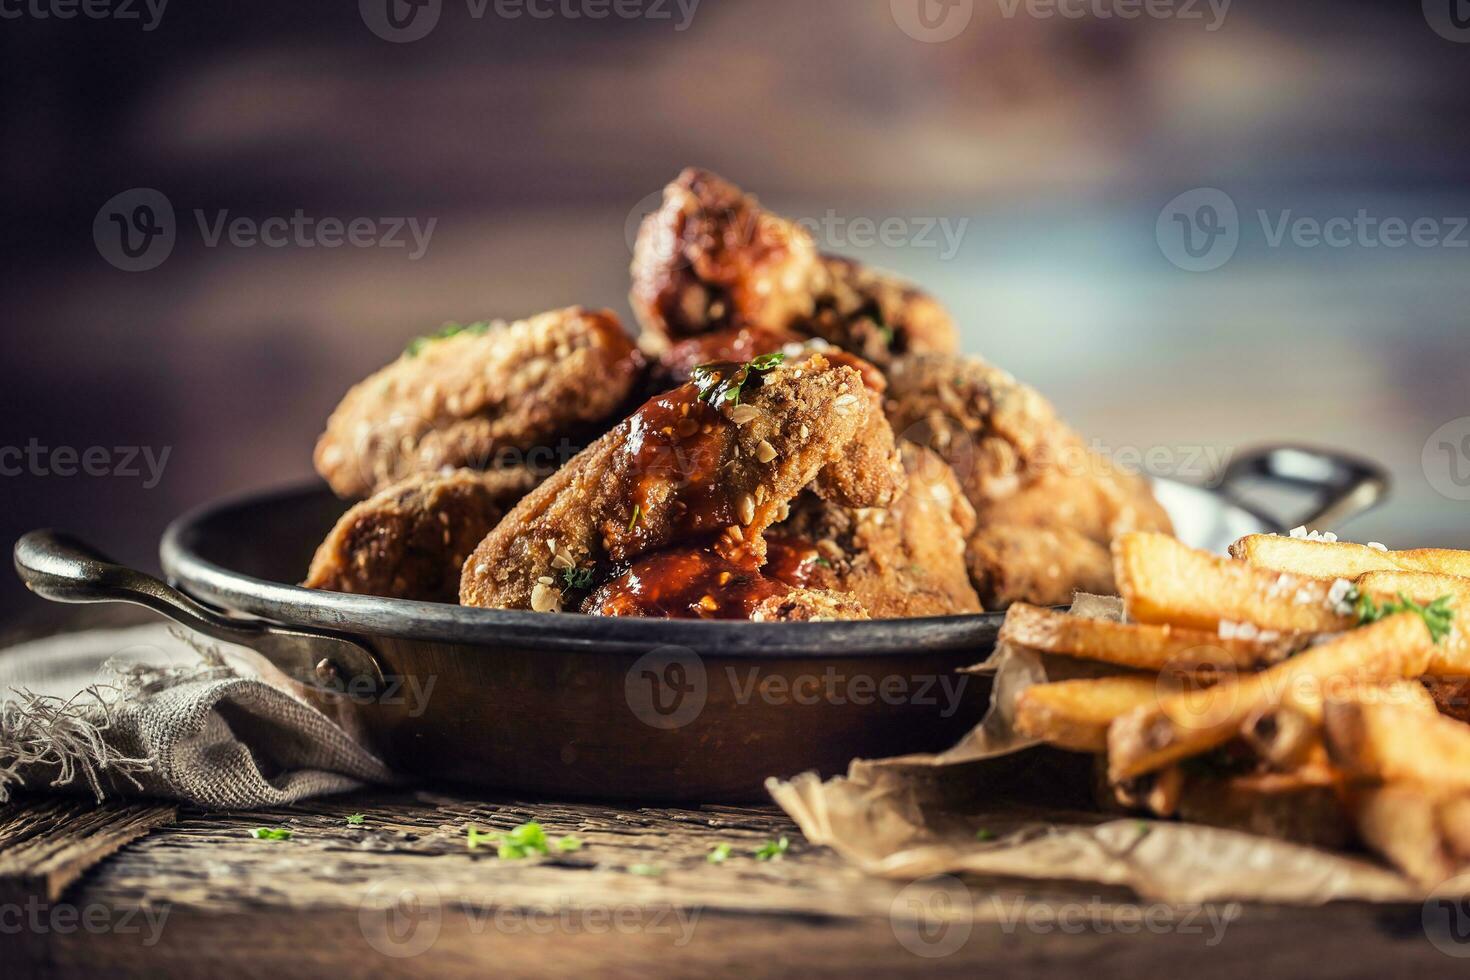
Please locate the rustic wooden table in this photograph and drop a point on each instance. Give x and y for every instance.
(149, 890)
(143, 889)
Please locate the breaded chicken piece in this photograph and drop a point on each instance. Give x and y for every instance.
(1016, 460)
(485, 396)
(675, 364)
(809, 606)
(1099, 507)
(1036, 488)
(1042, 566)
(712, 259)
(713, 461)
(905, 560)
(410, 541)
(878, 316)
(696, 583)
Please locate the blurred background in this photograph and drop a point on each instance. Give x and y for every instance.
(1035, 164)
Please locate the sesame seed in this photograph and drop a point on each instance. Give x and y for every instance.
(544, 598)
(745, 507)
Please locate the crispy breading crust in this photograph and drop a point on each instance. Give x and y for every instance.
(809, 606)
(808, 419)
(410, 541)
(876, 315)
(1043, 566)
(1046, 505)
(468, 399)
(711, 258)
(906, 560)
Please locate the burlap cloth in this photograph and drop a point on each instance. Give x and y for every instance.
(156, 711)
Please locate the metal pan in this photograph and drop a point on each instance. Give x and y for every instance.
(587, 707)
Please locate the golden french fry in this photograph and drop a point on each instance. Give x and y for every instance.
(1281, 736)
(1342, 559)
(1402, 823)
(1422, 587)
(1141, 647)
(1075, 714)
(1440, 561)
(1391, 743)
(1189, 723)
(1452, 659)
(1165, 581)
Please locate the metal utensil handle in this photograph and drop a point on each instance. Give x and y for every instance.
(1343, 486)
(62, 568)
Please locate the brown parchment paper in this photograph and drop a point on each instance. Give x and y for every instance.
(917, 816)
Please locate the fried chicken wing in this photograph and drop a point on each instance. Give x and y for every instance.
(1046, 506)
(481, 397)
(1043, 566)
(410, 541)
(711, 259)
(1016, 460)
(905, 560)
(700, 584)
(713, 462)
(677, 363)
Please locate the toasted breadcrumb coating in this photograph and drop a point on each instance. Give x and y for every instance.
(478, 399)
(681, 470)
(410, 541)
(902, 561)
(711, 259)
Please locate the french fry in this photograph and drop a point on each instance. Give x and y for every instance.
(1140, 647)
(1452, 659)
(1391, 743)
(1402, 823)
(1342, 559)
(1181, 725)
(1282, 737)
(1422, 587)
(1287, 739)
(1075, 714)
(1164, 581)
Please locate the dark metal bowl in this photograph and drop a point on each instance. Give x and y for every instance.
(580, 706)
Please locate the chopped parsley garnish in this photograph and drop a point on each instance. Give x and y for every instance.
(524, 841)
(645, 870)
(817, 560)
(984, 834)
(355, 819)
(474, 838)
(637, 516)
(720, 383)
(1439, 615)
(773, 850)
(416, 346)
(271, 833)
(577, 578)
(719, 854)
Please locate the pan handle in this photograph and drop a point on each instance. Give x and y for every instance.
(1341, 486)
(62, 568)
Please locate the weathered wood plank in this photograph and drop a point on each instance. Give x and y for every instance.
(47, 844)
(403, 895)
